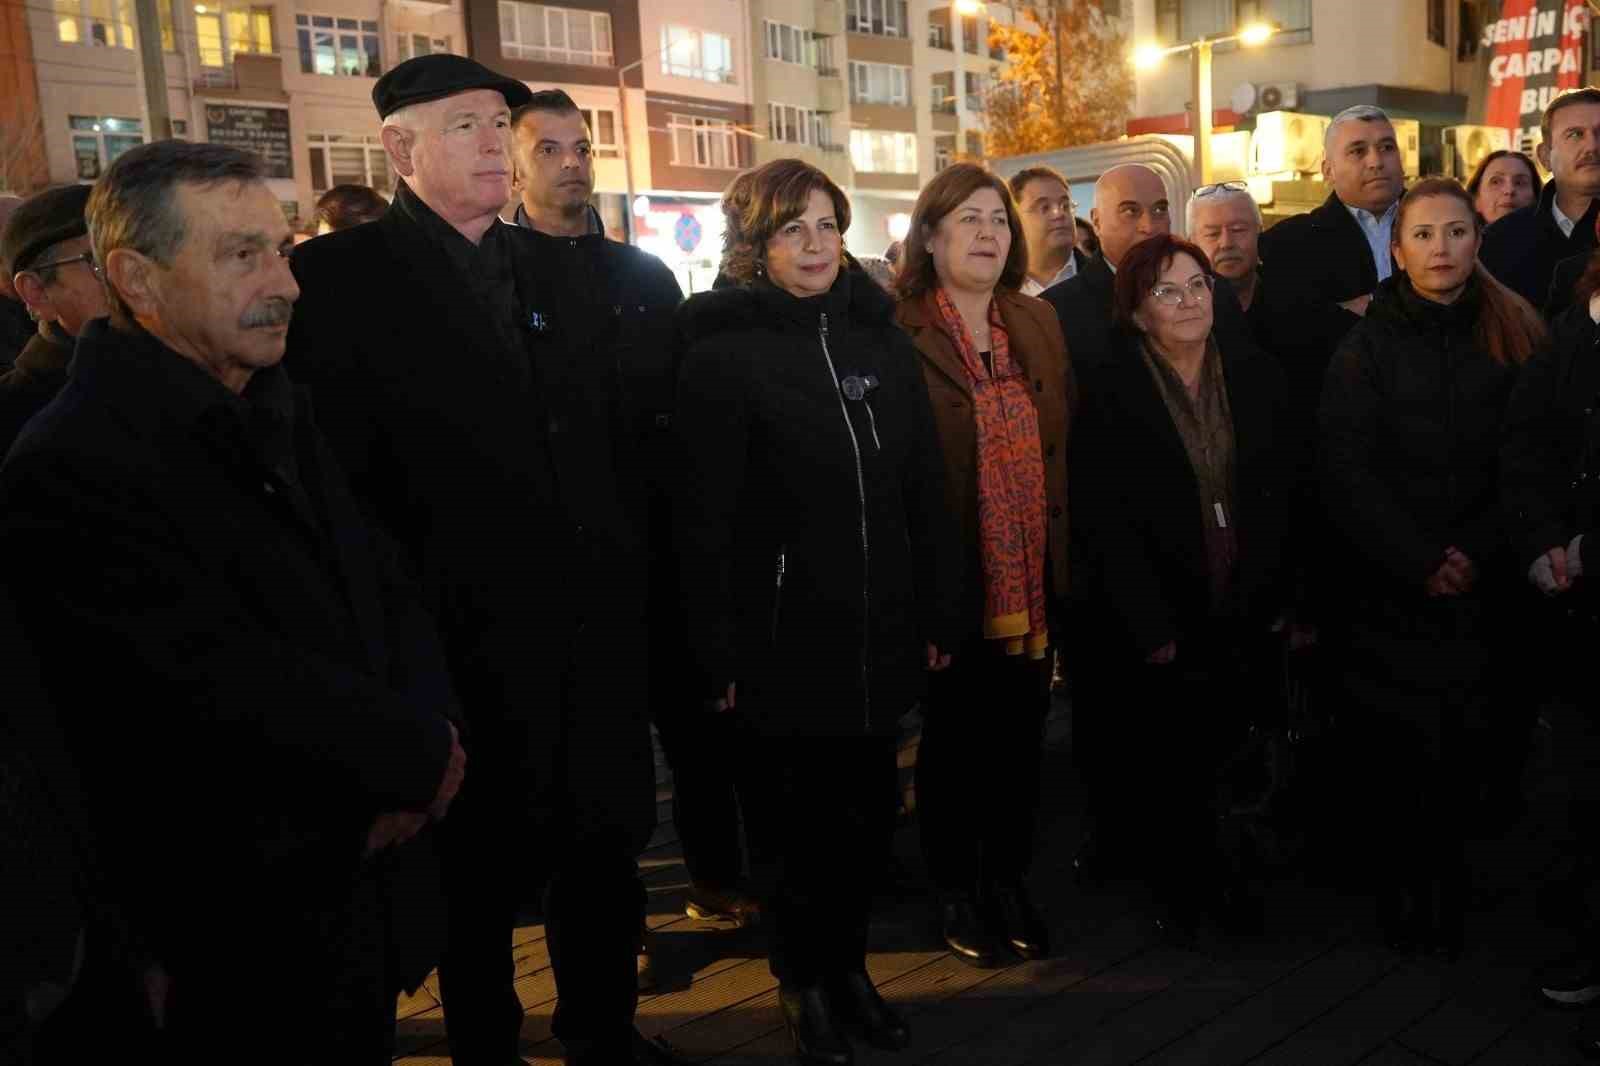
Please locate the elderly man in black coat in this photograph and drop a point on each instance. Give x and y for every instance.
(259, 708)
(460, 382)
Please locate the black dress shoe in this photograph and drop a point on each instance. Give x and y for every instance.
(966, 933)
(812, 1026)
(860, 1005)
(634, 1049)
(709, 904)
(1025, 931)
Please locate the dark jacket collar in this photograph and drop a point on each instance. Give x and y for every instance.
(855, 298)
(1546, 219)
(467, 257)
(47, 352)
(597, 227)
(1395, 301)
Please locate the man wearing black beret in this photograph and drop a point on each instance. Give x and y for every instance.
(445, 377)
(46, 243)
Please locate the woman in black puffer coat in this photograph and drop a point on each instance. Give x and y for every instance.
(815, 543)
(1410, 432)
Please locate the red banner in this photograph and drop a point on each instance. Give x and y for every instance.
(1536, 52)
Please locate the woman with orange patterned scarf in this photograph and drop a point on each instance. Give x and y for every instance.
(996, 367)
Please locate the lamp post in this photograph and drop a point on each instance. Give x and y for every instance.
(1149, 56)
(627, 143)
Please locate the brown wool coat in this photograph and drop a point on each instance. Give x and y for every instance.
(1037, 344)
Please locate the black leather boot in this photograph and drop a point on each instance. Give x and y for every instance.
(859, 1004)
(1025, 931)
(818, 1040)
(966, 933)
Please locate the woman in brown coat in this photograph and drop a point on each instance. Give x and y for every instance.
(996, 367)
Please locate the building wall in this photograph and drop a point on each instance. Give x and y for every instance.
(23, 167)
(483, 36)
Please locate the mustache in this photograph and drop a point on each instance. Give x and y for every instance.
(273, 311)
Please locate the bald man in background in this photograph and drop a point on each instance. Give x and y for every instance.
(16, 325)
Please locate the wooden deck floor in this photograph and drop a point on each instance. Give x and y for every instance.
(1317, 989)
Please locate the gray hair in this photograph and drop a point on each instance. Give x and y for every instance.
(134, 205)
(1218, 196)
(1357, 113)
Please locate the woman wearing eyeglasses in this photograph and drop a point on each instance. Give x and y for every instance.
(1411, 428)
(996, 367)
(1180, 491)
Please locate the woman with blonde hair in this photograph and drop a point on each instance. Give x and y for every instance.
(1411, 431)
(815, 543)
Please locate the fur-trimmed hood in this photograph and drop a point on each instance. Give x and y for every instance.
(740, 307)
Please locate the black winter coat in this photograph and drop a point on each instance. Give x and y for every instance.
(1410, 433)
(1523, 248)
(1550, 460)
(39, 373)
(814, 530)
(497, 469)
(243, 676)
(1141, 577)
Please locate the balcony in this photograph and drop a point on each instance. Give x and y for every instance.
(830, 94)
(251, 74)
(939, 37)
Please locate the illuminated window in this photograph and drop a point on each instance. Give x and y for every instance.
(555, 34)
(96, 141)
(330, 45)
(876, 152)
(223, 30)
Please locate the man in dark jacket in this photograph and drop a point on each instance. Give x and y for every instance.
(1522, 249)
(46, 241)
(484, 433)
(626, 299)
(187, 532)
(1044, 204)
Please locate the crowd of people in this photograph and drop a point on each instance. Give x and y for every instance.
(355, 571)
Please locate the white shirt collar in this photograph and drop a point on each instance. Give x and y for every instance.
(1033, 288)
(1561, 218)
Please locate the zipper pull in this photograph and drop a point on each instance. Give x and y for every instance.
(782, 558)
(824, 325)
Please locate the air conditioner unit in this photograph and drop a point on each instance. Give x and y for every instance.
(1287, 141)
(1408, 135)
(1468, 145)
(1278, 96)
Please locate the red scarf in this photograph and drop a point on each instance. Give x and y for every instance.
(1011, 493)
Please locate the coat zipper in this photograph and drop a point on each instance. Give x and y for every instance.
(777, 599)
(861, 498)
(872, 420)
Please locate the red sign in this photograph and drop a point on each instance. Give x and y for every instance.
(1536, 53)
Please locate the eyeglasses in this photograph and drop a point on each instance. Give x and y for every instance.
(1172, 295)
(86, 258)
(1221, 186)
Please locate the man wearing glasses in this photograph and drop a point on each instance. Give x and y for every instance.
(1044, 203)
(46, 247)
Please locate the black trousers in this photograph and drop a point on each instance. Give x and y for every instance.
(713, 781)
(978, 767)
(593, 906)
(827, 821)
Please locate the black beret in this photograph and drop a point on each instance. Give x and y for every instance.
(434, 77)
(51, 217)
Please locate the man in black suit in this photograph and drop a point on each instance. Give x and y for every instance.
(1049, 222)
(468, 394)
(259, 708)
(1524, 248)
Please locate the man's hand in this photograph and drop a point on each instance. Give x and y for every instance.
(455, 771)
(1164, 654)
(1357, 306)
(937, 662)
(1549, 572)
(394, 828)
(726, 702)
(1455, 576)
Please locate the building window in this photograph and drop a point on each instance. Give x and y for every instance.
(691, 53)
(555, 34)
(1290, 16)
(790, 44)
(703, 142)
(969, 34)
(330, 45)
(944, 153)
(886, 18)
(97, 141)
(1436, 21)
(223, 31)
(1188, 20)
(602, 125)
(977, 91)
(348, 159)
(975, 144)
(411, 45)
(107, 23)
(880, 83)
(876, 152)
(798, 125)
(943, 93)
(1470, 26)
(939, 29)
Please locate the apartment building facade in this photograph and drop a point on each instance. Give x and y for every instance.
(291, 79)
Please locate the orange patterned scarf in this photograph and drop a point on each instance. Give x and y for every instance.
(1011, 493)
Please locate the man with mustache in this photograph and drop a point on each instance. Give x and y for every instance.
(1525, 248)
(1044, 203)
(266, 724)
(464, 385)
(620, 302)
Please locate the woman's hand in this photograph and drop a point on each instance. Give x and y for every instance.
(723, 703)
(1455, 576)
(937, 662)
(1164, 654)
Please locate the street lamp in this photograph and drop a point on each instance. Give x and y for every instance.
(1148, 56)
